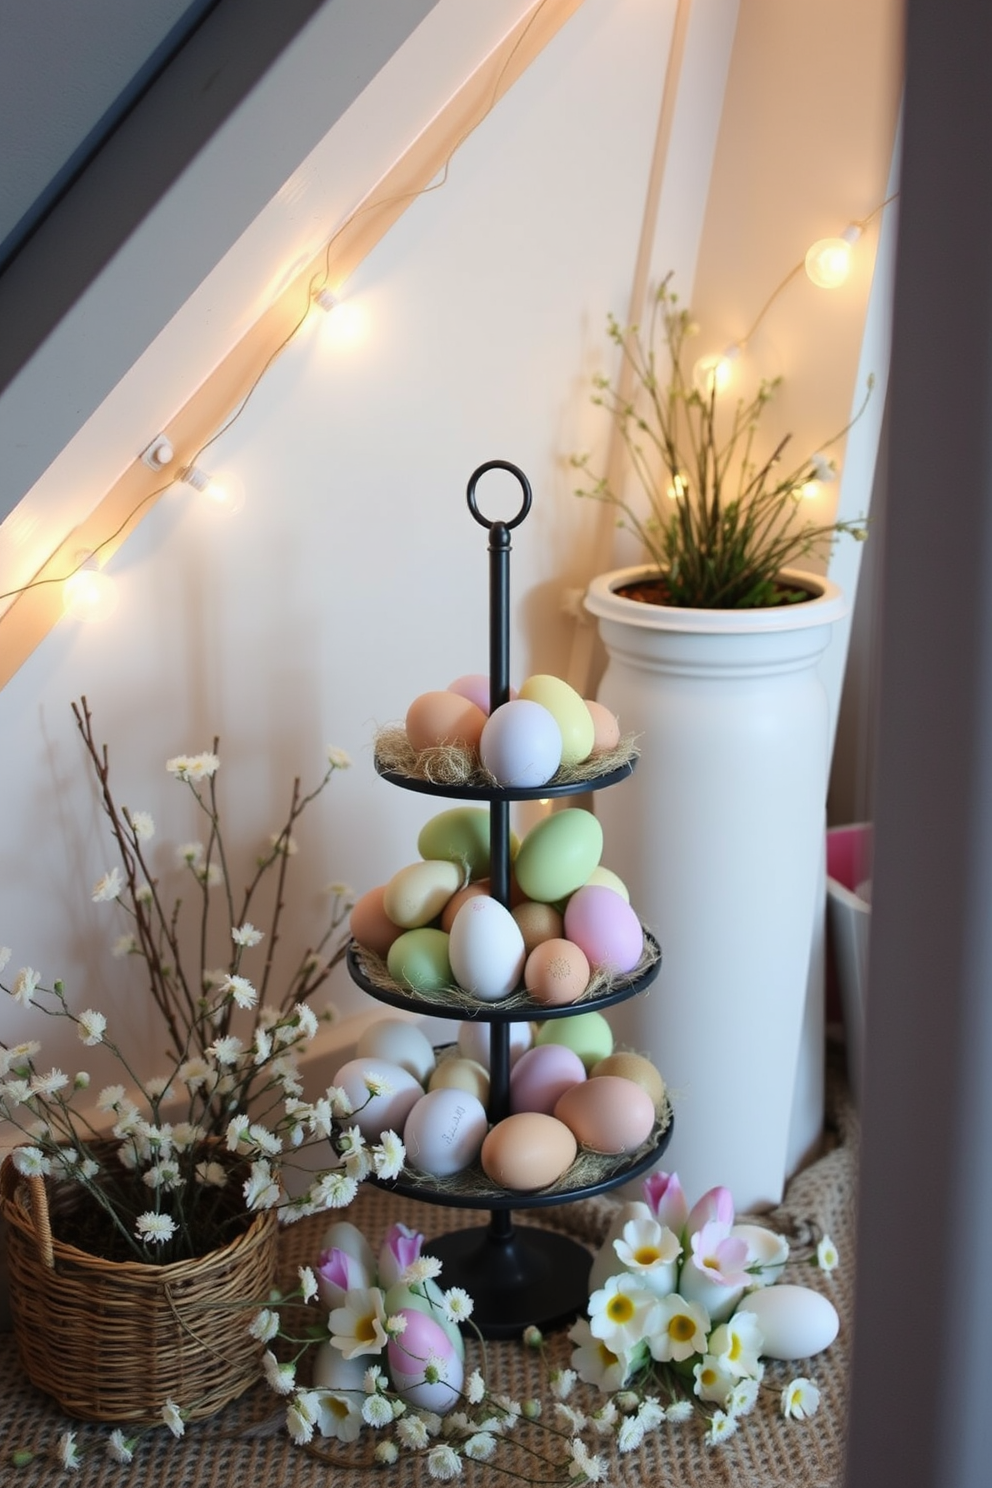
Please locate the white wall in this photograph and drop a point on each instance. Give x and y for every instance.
(355, 578)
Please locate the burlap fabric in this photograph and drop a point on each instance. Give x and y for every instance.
(247, 1445)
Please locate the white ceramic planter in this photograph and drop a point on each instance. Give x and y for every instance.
(719, 835)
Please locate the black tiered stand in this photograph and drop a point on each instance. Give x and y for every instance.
(515, 1276)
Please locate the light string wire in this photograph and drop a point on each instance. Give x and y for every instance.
(317, 282)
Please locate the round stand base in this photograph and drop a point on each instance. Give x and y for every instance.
(516, 1278)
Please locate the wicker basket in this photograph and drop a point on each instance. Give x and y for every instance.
(114, 1340)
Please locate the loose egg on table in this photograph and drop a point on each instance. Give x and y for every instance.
(374, 1114)
(527, 1151)
(444, 1132)
(423, 1339)
(521, 744)
(541, 1076)
(606, 928)
(794, 1321)
(401, 1042)
(486, 949)
(607, 1114)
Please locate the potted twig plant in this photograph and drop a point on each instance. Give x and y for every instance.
(712, 650)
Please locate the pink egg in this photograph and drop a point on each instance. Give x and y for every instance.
(606, 727)
(542, 1075)
(421, 1340)
(603, 924)
(608, 1114)
(475, 687)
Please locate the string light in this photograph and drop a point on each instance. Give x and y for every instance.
(828, 260)
(89, 593)
(714, 373)
(225, 491)
(326, 300)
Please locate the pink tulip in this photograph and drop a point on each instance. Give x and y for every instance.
(400, 1248)
(338, 1273)
(665, 1199)
(717, 1204)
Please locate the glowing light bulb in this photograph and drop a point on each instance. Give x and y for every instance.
(89, 593)
(712, 374)
(225, 492)
(808, 491)
(828, 260)
(678, 488)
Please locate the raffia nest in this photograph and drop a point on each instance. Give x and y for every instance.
(601, 984)
(453, 764)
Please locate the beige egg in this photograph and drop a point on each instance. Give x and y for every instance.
(606, 728)
(608, 1114)
(557, 972)
(370, 924)
(633, 1067)
(538, 922)
(461, 1074)
(416, 894)
(527, 1151)
(443, 718)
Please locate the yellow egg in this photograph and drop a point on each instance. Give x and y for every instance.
(633, 1067)
(527, 1151)
(461, 1074)
(418, 893)
(569, 711)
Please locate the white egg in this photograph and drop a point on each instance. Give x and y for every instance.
(444, 1131)
(795, 1322)
(473, 1041)
(402, 1043)
(521, 744)
(374, 1114)
(486, 949)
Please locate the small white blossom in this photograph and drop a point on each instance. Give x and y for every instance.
(68, 1452)
(475, 1388)
(240, 989)
(721, 1426)
(412, 1432)
(110, 1097)
(562, 1383)
(679, 1410)
(226, 1049)
(260, 1189)
(630, 1435)
(141, 825)
(246, 934)
(48, 1084)
(480, 1446)
(387, 1453)
(389, 1156)
(173, 1418)
(25, 985)
(424, 1268)
(190, 854)
(5, 955)
(299, 1419)
(583, 1465)
(443, 1463)
(264, 1325)
(338, 759)
(124, 945)
(193, 766)
(377, 1411)
(457, 1305)
(308, 1283)
(31, 1162)
(826, 1254)
(119, 1448)
(800, 1399)
(279, 1377)
(92, 1027)
(155, 1229)
(108, 887)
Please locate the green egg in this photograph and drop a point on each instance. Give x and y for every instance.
(419, 959)
(587, 1034)
(462, 836)
(558, 855)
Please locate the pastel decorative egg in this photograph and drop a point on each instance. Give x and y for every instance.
(527, 1151)
(606, 727)
(475, 687)
(538, 922)
(369, 923)
(400, 1041)
(540, 1076)
(444, 1132)
(424, 1339)
(556, 972)
(486, 949)
(795, 1322)
(426, 1297)
(608, 1114)
(457, 1073)
(520, 744)
(558, 854)
(461, 834)
(473, 1041)
(436, 718)
(634, 1067)
(606, 928)
(418, 959)
(332, 1371)
(569, 710)
(588, 1034)
(454, 904)
(417, 894)
(374, 1114)
(609, 880)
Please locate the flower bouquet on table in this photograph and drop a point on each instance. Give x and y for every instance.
(168, 1169)
(688, 1302)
